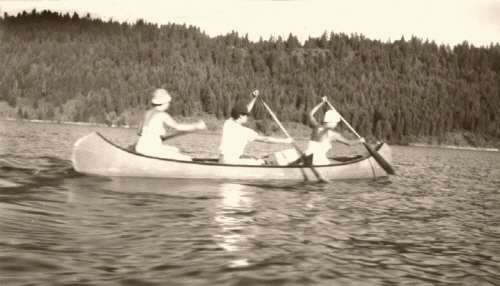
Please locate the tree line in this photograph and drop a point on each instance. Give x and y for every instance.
(69, 67)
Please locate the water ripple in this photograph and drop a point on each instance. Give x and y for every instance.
(435, 223)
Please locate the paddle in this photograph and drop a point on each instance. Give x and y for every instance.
(164, 138)
(316, 173)
(180, 133)
(380, 160)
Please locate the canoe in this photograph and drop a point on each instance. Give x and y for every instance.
(93, 154)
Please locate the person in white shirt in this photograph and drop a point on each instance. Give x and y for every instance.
(324, 134)
(154, 128)
(235, 136)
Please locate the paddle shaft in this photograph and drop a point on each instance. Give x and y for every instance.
(165, 138)
(177, 134)
(276, 119)
(316, 173)
(380, 160)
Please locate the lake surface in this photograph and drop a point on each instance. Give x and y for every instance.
(436, 223)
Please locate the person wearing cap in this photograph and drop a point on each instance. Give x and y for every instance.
(235, 136)
(154, 128)
(324, 134)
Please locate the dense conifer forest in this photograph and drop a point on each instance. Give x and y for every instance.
(70, 67)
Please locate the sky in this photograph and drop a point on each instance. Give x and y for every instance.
(448, 22)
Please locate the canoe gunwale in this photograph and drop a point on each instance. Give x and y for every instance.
(348, 162)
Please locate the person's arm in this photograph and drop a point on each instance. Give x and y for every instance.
(170, 122)
(341, 139)
(251, 135)
(139, 128)
(269, 139)
(312, 119)
(250, 105)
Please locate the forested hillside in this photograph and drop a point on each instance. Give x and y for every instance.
(76, 68)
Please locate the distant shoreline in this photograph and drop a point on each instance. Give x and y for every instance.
(454, 147)
(423, 145)
(64, 122)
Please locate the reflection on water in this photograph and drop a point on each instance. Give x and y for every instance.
(232, 216)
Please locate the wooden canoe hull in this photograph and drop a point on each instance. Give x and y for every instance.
(95, 155)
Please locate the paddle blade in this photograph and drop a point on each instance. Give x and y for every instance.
(316, 173)
(380, 160)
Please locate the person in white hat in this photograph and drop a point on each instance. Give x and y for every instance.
(324, 134)
(154, 128)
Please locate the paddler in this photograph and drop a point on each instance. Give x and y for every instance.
(324, 134)
(154, 128)
(235, 136)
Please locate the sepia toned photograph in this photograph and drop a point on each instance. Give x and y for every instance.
(249, 142)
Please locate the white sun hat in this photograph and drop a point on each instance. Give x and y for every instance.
(161, 96)
(331, 116)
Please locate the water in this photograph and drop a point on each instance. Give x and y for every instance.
(436, 223)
